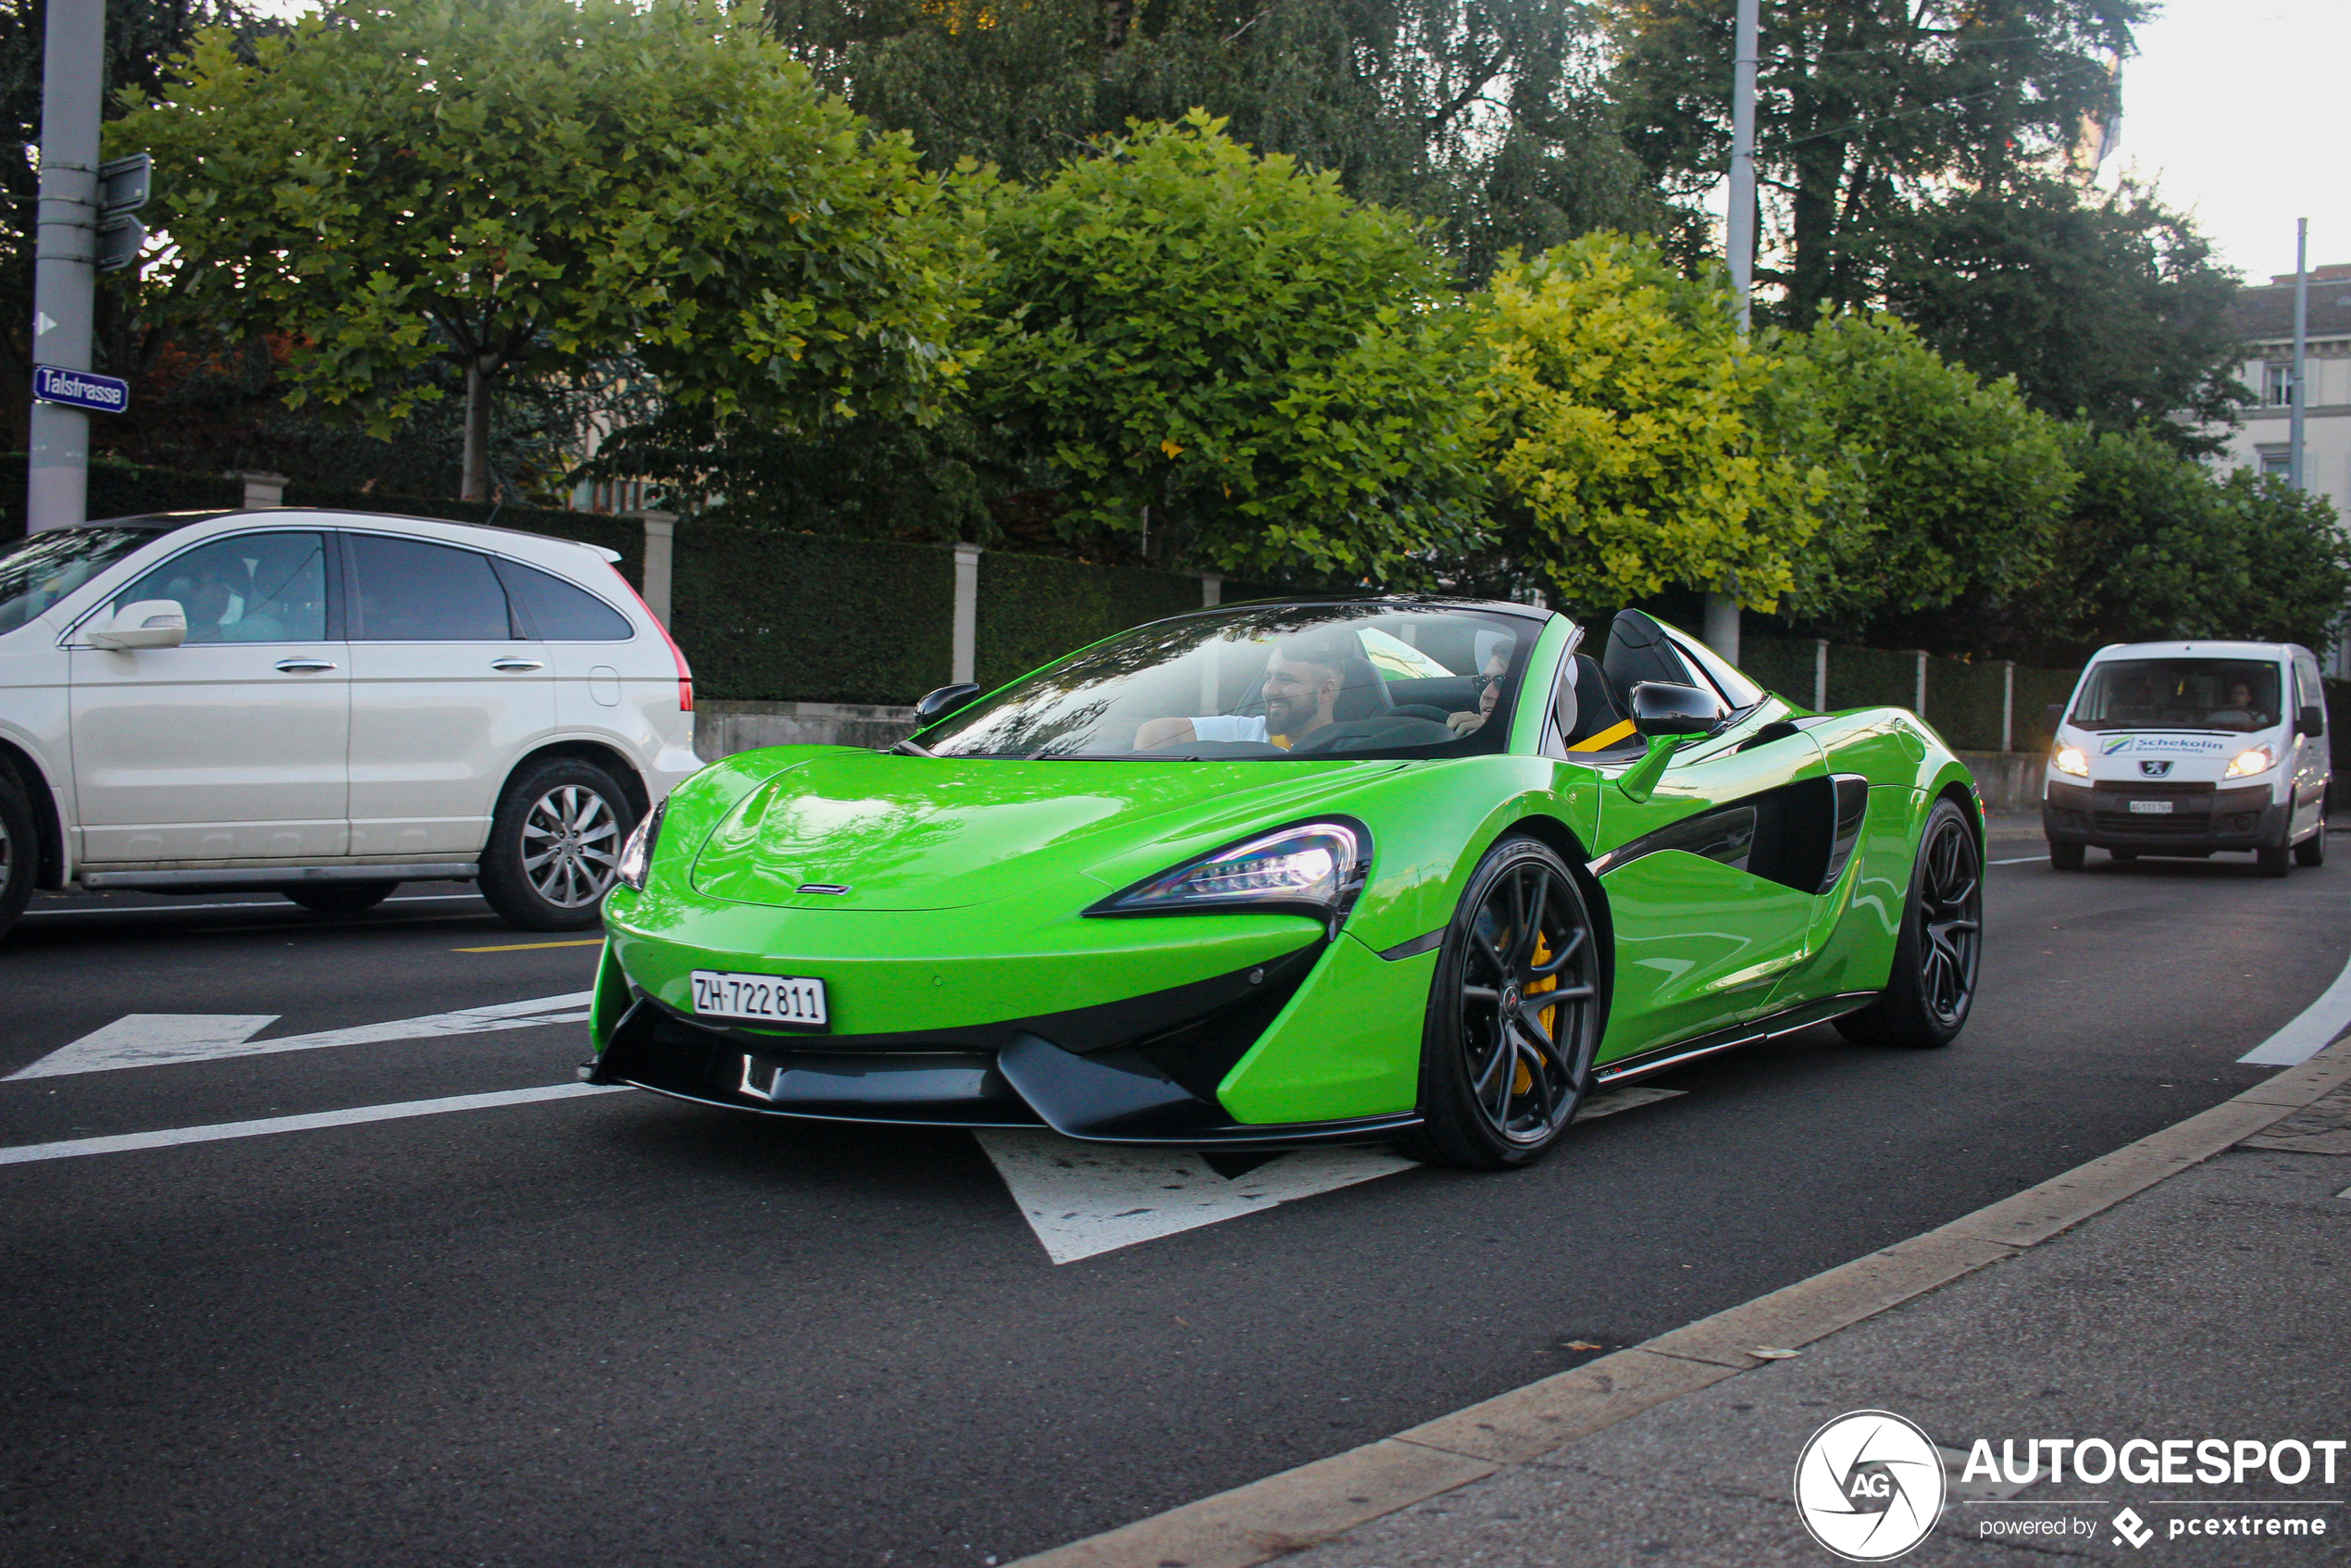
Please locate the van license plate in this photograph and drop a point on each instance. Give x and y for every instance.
(2151, 808)
(760, 998)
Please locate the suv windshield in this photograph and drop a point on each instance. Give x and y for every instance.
(1266, 681)
(2187, 693)
(42, 568)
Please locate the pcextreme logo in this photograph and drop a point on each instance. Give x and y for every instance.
(1868, 1485)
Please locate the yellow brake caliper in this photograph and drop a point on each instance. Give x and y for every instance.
(1525, 1080)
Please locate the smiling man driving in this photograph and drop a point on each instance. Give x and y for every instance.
(1303, 676)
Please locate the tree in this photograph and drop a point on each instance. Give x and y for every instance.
(1865, 108)
(1633, 431)
(534, 186)
(2108, 307)
(1946, 492)
(1227, 352)
(2155, 547)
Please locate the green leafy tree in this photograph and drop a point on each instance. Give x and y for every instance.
(536, 186)
(1945, 491)
(1635, 435)
(1864, 109)
(1227, 351)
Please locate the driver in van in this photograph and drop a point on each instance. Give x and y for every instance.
(1302, 679)
(2241, 711)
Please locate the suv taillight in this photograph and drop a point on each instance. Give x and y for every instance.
(685, 674)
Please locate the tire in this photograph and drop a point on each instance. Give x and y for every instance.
(1932, 990)
(19, 849)
(554, 844)
(2271, 860)
(2065, 856)
(2125, 856)
(341, 898)
(2312, 851)
(1501, 1075)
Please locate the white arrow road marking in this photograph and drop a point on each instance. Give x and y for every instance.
(1082, 1199)
(150, 1039)
(126, 1142)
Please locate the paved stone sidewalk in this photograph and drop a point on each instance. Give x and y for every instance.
(2214, 1304)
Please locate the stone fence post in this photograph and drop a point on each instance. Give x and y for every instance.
(660, 529)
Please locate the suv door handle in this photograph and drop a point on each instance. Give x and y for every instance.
(517, 663)
(303, 667)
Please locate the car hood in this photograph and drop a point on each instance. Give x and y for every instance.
(906, 832)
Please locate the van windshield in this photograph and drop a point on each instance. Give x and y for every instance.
(2186, 693)
(43, 568)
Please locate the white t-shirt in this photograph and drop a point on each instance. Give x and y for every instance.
(1229, 726)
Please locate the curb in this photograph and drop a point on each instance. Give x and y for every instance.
(1319, 1502)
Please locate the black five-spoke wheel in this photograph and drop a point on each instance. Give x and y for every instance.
(1927, 996)
(1514, 1014)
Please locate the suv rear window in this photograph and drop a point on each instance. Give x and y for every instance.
(563, 612)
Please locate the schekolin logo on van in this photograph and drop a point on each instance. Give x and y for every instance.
(2178, 745)
(1868, 1485)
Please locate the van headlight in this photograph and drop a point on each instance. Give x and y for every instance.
(2252, 760)
(2071, 759)
(637, 854)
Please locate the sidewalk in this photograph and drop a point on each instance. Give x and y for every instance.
(2194, 1285)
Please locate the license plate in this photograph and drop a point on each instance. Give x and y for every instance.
(2151, 808)
(760, 998)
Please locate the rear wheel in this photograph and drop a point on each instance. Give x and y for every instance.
(1514, 1014)
(1927, 996)
(2312, 851)
(2065, 856)
(555, 845)
(341, 898)
(20, 850)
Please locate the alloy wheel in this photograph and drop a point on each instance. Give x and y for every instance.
(570, 846)
(1527, 1004)
(1951, 917)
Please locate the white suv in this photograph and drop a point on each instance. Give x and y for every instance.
(327, 704)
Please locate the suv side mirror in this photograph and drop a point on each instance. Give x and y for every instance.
(945, 701)
(149, 623)
(1661, 707)
(2311, 720)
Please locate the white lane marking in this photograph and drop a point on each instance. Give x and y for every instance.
(151, 1040)
(126, 1142)
(2312, 1031)
(2021, 860)
(258, 904)
(1609, 1101)
(1084, 1199)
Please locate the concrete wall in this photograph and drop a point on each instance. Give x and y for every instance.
(2010, 780)
(722, 728)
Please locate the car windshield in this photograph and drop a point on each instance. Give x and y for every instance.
(42, 568)
(2186, 693)
(1264, 682)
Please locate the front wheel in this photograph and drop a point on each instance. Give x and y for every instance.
(2065, 855)
(2312, 851)
(555, 845)
(20, 850)
(1927, 996)
(1514, 1014)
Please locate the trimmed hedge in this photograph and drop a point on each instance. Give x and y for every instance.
(1035, 608)
(121, 489)
(626, 535)
(812, 617)
(1781, 665)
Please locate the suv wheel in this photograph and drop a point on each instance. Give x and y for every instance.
(554, 844)
(19, 849)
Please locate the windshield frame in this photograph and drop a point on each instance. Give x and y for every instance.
(1267, 622)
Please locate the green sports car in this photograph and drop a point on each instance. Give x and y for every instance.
(1400, 868)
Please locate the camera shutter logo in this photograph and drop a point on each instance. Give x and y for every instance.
(1868, 1485)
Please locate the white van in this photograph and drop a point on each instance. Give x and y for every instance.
(2188, 748)
(327, 704)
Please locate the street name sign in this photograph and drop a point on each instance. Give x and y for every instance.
(80, 389)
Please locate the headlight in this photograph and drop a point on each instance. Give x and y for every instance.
(637, 854)
(2070, 760)
(1316, 868)
(2248, 763)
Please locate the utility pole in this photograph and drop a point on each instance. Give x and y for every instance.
(2294, 470)
(65, 255)
(1721, 631)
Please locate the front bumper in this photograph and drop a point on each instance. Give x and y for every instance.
(2202, 818)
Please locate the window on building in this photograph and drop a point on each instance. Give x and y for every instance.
(2277, 385)
(2277, 462)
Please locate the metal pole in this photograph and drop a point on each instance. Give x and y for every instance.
(1738, 236)
(66, 243)
(2301, 347)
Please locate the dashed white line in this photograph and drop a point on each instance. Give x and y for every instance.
(2020, 860)
(170, 1137)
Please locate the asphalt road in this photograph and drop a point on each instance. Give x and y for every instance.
(620, 1330)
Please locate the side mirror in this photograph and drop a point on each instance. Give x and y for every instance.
(945, 701)
(1660, 707)
(2311, 720)
(149, 623)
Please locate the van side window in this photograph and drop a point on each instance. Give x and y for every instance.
(409, 590)
(562, 612)
(247, 588)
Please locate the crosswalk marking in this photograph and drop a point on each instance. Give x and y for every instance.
(124, 1143)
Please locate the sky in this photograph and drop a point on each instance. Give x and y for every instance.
(2232, 107)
